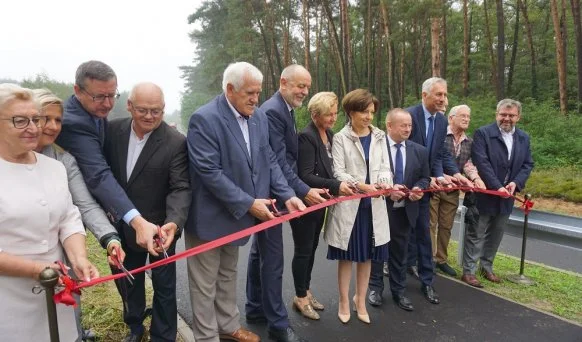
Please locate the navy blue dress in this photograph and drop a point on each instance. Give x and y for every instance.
(361, 246)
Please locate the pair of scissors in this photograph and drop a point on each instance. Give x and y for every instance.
(277, 212)
(355, 189)
(326, 194)
(159, 240)
(120, 266)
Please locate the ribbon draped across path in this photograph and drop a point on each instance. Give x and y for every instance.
(71, 286)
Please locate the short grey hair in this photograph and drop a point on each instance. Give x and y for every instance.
(392, 113)
(10, 92)
(46, 97)
(509, 103)
(94, 70)
(429, 83)
(292, 70)
(236, 73)
(139, 86)
(455, 109)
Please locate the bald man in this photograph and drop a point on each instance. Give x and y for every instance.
(149, 160)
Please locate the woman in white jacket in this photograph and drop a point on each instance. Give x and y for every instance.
(357, 231)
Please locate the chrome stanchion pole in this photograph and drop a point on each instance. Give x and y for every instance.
(49, 279)
(520, 278)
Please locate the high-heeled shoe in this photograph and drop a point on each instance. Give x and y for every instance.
(344, 318)
(362, 317)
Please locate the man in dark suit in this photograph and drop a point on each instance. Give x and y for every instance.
(233, 173)
(429, 129)
(501, 152)
(265, 268)
(149, 160)
(83, 135)
(409, 162)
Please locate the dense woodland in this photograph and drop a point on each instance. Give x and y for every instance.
(484, 48)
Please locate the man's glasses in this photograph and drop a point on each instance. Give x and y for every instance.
(144, 111)
(101, 97)
(21, 122)
(508, 115)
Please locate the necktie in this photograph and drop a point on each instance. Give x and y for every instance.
(399, 166)
(293, 119)
(430, 133)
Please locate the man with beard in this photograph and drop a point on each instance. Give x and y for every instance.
(501, 152)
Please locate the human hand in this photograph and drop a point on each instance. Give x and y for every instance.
(260, 209)
(463, 181)
(433, 183)
(314, 196)
(505, 192)
(114, 250)
(511, 188)
(144, 233)
(345, 189)
(84, 270)
(479, 183)
(415, 194)
(294, 204)
(169, 230)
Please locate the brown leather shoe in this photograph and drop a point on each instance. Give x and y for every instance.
(241, 335)
(315, 304)
(306, 309)
(471, 280)
(490, 276)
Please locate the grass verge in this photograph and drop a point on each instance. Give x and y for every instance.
(555, 291)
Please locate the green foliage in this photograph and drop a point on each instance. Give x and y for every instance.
(563, 183)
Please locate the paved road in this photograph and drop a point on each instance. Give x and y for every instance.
(457, 318)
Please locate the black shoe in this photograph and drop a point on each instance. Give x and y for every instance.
(256, 319)
(285, 335)
(88, 335)
(133, 337)
(375, 298)
(403, 302)
(413, 271)
(447, 269)
(430, 294)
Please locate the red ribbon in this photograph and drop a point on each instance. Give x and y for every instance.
(66, 295)
(73, 286)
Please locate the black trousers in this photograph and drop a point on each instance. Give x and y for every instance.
(164, 325)
(398, 254)
(306, 230)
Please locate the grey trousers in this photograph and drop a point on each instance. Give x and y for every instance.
(482, 241)
(212, 280)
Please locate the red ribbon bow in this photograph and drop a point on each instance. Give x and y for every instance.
(70, 287)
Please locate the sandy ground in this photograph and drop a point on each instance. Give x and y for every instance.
(558, 206)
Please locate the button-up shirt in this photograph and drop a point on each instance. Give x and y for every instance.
(134, 149)
(461, 151)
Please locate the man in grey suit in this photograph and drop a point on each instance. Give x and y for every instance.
(233, 173)
(150, 162)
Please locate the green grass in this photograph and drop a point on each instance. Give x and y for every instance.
(562, 183)
(555, 291)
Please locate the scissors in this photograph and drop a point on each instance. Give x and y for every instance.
(355, 189)
(120, 266)
(277, 212)
(159, 240)
(326, 194)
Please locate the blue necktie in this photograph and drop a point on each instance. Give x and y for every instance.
(399, 167)
(292, 111)
(430, 133)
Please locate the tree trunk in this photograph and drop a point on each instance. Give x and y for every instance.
(286, 36)
(368, 42)
(336, 46)
(435, 28)
(307, 45)
(575, 5)
(513, 51)
(490, 46)
(445, 42)
(387, 34)
(266, 45)
(560, 56)
(318, 28)
(534, 78)
(401, 93)
(465, 48)
(500, 51)
(346, 44)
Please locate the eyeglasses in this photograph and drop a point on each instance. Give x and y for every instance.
(508, 115)
(144, 111)
(21, 122)
(101, 97)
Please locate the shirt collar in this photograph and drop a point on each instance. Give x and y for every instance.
(235, 112)
(145, 136)
(506, 133)
(450, 132)
(392, 142)
(427, 114)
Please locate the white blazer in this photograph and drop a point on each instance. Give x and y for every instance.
(350, 165)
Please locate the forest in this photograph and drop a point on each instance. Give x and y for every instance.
(528, 50)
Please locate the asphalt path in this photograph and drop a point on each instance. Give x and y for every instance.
(464, 313)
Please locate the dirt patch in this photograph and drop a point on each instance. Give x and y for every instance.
(557, 206)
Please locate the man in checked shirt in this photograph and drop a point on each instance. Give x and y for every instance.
(443, 205)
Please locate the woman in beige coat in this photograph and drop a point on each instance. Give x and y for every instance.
(357, 231)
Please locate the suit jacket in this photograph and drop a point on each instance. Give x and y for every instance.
(225, 179)
(439, 157)
(416, 173)
(80, 137)
(489, 154)
(284, 142)
(159, 183)
(314, 166)
(93, 216)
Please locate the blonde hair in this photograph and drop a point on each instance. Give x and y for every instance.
(46, 98)
(321, 103)
(10, 92)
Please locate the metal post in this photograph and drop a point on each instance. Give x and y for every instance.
(461, 246)
(520, 278)
(49, 279)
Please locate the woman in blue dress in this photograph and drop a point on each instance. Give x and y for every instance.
(357, 231)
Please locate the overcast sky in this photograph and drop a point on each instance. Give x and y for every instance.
(142, 40)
